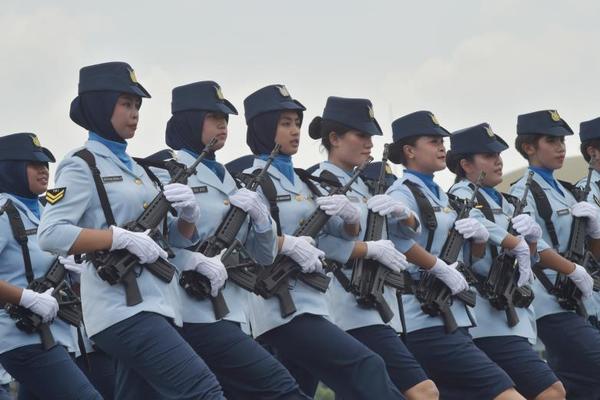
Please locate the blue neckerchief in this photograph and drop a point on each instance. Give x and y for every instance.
(493, 193)
(33, 204)
(283, 163)
(118, 149)
(548, 176)
(427, 180)
(213, 165)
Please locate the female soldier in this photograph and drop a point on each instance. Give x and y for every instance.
(459, 369)
(306, 342)
(152, 359)
(474, 150)
(345, 131)
(41, 373)
(572, 344)
(244, 368)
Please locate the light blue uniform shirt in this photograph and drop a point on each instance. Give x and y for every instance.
(404, 238)
(545, 303)
(345, 312)
(12, 270)
(593, 198)
(491, 321)
(261, 242)
(128, 192)
(295, 203)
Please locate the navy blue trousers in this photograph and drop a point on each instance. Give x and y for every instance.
(242, 366)
(516, 356)
(47, 374)
(313, 345)
(154, 362)
(402, 367)
(100, 372)
(459, 369)
(573, 352)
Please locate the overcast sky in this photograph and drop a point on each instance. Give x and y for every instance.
(466, 61)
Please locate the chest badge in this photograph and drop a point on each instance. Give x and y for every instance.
(53, 196)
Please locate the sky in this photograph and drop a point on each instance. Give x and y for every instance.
(466, 61)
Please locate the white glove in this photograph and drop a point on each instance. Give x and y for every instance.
(338, 204)
(385, 252)
(582, 280)
(450, 276)
(43, 304)
(252, 203)
(526, 226)
(386, 205)
(589, 211)
(70, 264)
(183, 200)
(523, 256)
(302, 250)
(210, 267)
(137, 243)
(470, 228)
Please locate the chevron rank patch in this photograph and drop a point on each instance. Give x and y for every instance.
(53, 196)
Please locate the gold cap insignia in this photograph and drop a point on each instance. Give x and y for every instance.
(53, 196)
(554, 115)
(371, 112)
(36, 141)
(434, 119)
(219, 93)
(489, 131)
(132, 76)
(283, 90)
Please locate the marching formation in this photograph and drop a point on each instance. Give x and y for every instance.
(174, 276)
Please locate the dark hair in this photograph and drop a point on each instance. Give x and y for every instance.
(396, 154)
(453, 163)
(594, 143)
(320, 128)
(526, 139)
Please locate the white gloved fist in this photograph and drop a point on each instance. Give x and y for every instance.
(526, 226)
(582, 280)
(183, 200)
(339, 205)
(137, 243)
(470, 228)
(589, 211)
(70, 264)
(253, 204)
(385, 252)
(523, 256)
(302, 250)
(450, 276)
(210, 267)
(43, 304)
(386, 205)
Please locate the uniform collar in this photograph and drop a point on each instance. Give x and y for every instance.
(117, 148)
(101, 150)
(359, 186)
(285, 183)
(427, 179)
(207, 175)
(19, 204)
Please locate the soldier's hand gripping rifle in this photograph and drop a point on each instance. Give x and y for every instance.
(500, 287)
(369, 276)
(119, 266)
(196, 284)
(433, 294)
(567, 293)
(68, 302)
(273, 279)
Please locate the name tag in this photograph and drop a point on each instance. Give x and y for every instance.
(566, 211)
(283, 197)
(496, 211)
(31, 231)
(108, 179)
(354, 199)
(200, 189)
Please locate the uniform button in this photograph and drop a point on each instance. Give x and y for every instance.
(145, 205)
(138, 181)
(299, 197)
(301, 221)
(226, 202)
